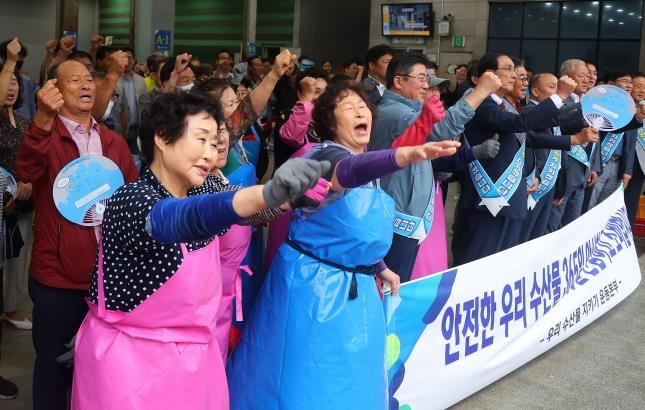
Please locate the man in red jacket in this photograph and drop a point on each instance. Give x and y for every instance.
(63, 252)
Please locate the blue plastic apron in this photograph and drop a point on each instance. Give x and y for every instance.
(307, 344)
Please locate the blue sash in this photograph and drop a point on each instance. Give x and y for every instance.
(608, 146)
(495, 195)
(530, 178)
(548, 176)
(411, 226)
(579, 154)
(640, 136)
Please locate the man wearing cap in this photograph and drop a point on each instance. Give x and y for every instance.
(437, 84)
(412, 188)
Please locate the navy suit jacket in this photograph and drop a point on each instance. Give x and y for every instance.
(491, 119)
(540, 143)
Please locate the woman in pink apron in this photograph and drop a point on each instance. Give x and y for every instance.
(148, 340)
(240, 116)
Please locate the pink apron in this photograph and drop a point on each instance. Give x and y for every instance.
(233, 247)
(161, 355)
(433, 252)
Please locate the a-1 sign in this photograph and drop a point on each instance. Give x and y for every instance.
(162, 40)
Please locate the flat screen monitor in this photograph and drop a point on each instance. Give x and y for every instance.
(412, 19)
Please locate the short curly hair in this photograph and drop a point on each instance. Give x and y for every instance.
(323, 115)
(166, 117)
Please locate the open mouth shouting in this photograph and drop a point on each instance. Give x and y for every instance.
(86, 98)
(362, 128)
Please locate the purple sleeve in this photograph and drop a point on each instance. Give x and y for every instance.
(356, 170)
(381, 266)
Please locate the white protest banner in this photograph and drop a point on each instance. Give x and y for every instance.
(453, 333)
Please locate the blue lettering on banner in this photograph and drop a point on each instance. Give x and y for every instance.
(508, 302)
(467, 327)
(468, 321)
(449, 329)
(615, 237)
(471, 325)
(488, 307)
(541, 291)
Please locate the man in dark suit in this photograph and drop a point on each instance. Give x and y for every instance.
(635, 187)
(376, 62)
(618, 162)
(580, 170)
(479, 231)
(535, 224)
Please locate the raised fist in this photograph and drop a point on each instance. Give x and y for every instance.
(117, 62)
(13, 49)
(489, 82)
(96, 41)
(181, 62)
(283, 61)
(566, 85)
(50, 100)
(308, 88)
(50, 46)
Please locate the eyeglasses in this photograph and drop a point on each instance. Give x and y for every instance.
(422, 78)
(509, 68)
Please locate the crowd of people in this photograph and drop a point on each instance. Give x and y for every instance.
(174, 300)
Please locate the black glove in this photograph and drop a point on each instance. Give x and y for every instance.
(570, 119)
(487, 149)
(292, 179)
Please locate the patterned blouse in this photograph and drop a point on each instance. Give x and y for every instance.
(134, 264)
(10, 139)
(241, 120)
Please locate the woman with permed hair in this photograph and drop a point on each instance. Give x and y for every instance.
(316, 336)
(148, 340)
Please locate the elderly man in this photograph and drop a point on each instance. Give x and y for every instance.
(545, 160)
(412, 188)
(483, 230)
(617, 149)
(63, 252)
(635, 187)
(132, 86)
